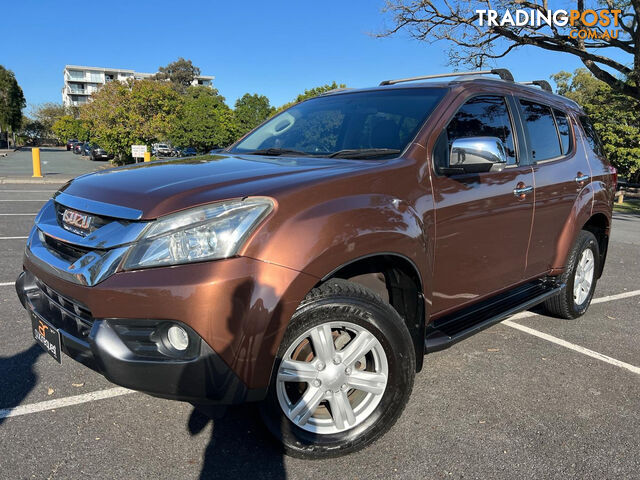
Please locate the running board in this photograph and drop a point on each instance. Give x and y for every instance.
(452, 328)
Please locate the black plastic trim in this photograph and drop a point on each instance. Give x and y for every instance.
(448, 330)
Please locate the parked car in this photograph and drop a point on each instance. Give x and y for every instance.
(163, 150)
(71, 143)
(312, 265)
(78, 148)
(97, 153)
(86, 149)
(188, 152)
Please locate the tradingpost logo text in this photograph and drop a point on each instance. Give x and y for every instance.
(585, 24)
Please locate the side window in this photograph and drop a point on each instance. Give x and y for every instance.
(564, 129)
(543, 134)
(592, 136)
(484, 116)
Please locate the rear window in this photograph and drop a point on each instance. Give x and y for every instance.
(544, 143)
(564, 130)
(592, 136)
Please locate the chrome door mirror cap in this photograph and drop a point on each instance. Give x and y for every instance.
(477, 154)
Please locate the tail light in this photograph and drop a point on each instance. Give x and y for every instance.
(614, 176)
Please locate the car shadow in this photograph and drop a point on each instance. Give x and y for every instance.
(18, 378)
(239, 446)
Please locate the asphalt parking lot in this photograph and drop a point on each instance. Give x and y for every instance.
(533, 397)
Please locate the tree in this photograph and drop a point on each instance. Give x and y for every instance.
(251, 110)
(12, 102)
(48, 113)
(615, 116)
(206, 121)
(67, 127)
(458, 23)
(31, 131)
(180, 73)
(137, 112)
(312, 92)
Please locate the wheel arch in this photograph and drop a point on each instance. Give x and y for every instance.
(396, 279)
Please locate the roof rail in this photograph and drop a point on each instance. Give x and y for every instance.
(543, 84)
(503, 73)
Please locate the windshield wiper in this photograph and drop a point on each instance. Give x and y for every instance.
(277, 152)
(364, 152)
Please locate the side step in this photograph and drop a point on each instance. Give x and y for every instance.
(452, 328)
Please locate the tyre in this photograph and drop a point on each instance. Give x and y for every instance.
(579, 279)
(343, 374)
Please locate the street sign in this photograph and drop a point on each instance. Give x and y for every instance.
(138, 151)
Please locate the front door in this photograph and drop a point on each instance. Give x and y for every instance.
(482, 225)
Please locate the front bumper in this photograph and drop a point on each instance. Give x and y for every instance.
(97, 344)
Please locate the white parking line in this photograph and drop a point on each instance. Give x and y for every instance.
(6, 284)
(28, 191)
(118, 391)
(64, 402)
(29, 200)
(16, 214)
(572, 346)
(13, 238)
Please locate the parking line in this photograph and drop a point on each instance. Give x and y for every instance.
(64, 402)
(16, 214)
(572, 346)
(118, 391)
(29, 200)
(6, 284)
(28, 191)
(13, 238)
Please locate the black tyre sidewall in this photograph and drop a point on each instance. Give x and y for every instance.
(586, 240)
(396, 342)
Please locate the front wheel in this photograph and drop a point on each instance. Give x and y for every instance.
(579, 279)
(344, 373)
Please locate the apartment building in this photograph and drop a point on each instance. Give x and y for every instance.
(80, 82)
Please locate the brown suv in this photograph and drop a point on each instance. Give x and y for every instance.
(311, 265)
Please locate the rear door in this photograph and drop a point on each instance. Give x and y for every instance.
(482, 226)
(560, 170)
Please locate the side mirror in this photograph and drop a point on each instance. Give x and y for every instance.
(475, 155)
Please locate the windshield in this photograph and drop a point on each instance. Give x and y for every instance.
(375, 124)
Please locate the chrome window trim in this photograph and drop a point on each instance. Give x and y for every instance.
(98, 208)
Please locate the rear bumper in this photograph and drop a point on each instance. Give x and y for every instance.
(203, 378)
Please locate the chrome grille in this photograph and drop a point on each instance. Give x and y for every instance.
(96, 222)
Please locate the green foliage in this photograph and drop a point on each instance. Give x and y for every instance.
(312, 92)
(615, 116)
(48, 114)
(251, 110)
(136, 112)
(67, 127)
(31, 131)
(206, 121)
(180, 73)
(12, 101)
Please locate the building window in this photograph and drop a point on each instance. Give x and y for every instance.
(76, 75)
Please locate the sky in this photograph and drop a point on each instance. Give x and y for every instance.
(277, 48)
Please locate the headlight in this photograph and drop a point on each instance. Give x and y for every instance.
(204, 233)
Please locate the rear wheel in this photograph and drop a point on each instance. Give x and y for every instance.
(579, 278)
(344, 373)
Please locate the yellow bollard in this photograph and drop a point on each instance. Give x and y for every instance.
(35, 154)
(147, 156)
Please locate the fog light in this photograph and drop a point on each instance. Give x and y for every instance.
(178, 337)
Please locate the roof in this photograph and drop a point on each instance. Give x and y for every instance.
(468, 80)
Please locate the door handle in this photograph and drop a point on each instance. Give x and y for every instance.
(581, 179)
(521, 192)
